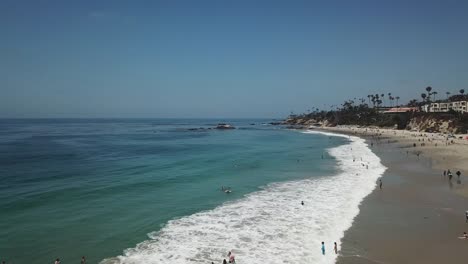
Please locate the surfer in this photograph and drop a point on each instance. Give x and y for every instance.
(57, 261)
(83, 260)
(302, 202)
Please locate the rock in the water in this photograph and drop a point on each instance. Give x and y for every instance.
(224, 126)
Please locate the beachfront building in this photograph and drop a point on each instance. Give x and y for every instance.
(459, 106)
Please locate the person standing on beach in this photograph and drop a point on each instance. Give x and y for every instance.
(445, 173)
(336, 248)
(323, 248)
(380, 184)
(466, 216)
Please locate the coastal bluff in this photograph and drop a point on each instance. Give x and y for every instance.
(436, 123)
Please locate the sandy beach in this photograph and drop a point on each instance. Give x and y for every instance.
(419, 214)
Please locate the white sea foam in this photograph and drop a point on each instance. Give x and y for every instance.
(271, 226)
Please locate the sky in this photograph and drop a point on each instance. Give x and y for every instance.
(196, 59)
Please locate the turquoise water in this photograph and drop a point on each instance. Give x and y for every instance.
(96, 187)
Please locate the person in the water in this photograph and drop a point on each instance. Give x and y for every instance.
(323, 248)
(302, 202)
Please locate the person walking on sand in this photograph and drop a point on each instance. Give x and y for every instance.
(323, 248)
(335, 248)
(445, 173)
(466, 216)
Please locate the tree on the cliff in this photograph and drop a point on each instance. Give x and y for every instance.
(413, 103)
(423, 95)
(397, 98)
(428, 90)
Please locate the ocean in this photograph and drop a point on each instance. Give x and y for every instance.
(149, 191)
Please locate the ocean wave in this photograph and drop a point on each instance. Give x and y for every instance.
(271, 225)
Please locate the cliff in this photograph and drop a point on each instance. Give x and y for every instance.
(427, 122)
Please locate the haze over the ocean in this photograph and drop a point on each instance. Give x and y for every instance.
(222, 58)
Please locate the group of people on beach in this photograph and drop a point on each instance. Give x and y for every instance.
(335, 248)
(450, 175)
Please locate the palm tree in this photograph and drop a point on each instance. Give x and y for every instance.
(428, 89)
(434, 93)
(390, 97)
(374, 99)
(423, 95)
(368, 97)
(397, 98)
(447, 93)
(462, 91)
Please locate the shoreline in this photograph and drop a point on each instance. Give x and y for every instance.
(443, 153)
(418, 215)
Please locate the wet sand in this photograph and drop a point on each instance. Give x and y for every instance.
(416, 218)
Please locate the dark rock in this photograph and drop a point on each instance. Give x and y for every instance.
(224, 126)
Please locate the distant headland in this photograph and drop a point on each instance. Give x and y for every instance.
(448, 115)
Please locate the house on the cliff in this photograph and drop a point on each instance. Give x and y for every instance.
(458, 106)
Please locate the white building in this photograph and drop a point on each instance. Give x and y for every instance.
(459, 106)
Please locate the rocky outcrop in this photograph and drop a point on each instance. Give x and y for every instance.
(224, 126)
(435, 124)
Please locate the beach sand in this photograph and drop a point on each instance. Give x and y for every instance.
(419, 214)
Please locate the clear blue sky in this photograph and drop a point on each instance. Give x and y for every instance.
(223, 58)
